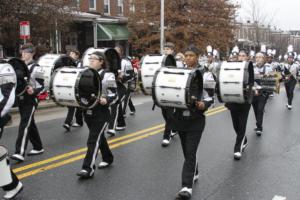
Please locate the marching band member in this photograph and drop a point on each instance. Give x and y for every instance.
(234, 54)
(127, 77)
(169, 49)
(117, 121)
(27, 104)
(7, 98)
(239, 115)
(289, 73)
(73, 111)
(260, 97)
(190, 125)
(98, 118)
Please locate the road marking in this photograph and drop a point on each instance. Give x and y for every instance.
(83, 150)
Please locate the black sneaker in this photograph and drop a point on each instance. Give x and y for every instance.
(259, 132)
(166, 142)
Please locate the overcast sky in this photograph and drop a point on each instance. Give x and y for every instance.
(286, 13)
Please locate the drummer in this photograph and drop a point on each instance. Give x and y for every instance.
(7, 96)
(190, 125)
(239, 114)
(98, 118)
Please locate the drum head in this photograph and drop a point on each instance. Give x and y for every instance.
(22, 74)
(169, 61)
(195, 90)
(89, 87)
(64, 61)
(3, 152)
(113, 60)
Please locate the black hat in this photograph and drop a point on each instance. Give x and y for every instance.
(291, 54)
(192, 48)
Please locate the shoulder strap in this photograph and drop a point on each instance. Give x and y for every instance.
(32, 67)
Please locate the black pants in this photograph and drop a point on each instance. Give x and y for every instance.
(3, 121)
(77, 112)
(189, 142)
(96, 141)
(27, 130)
(13, 184)
(259, 103)
(117, 118)
(167, 132)
(239, 120)
(289, 88)
(128, 101)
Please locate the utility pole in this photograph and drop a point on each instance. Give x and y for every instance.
(162, 25)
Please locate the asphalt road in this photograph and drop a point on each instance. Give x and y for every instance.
(143, 170)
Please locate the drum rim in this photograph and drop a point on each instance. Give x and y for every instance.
(4, 155)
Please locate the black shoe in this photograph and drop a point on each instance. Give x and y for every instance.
(259, 132)
(166, 142)
(184, 194)
(237, 155)
(67, 127)
(84, 174)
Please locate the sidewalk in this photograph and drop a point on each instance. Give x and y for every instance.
(136, 97)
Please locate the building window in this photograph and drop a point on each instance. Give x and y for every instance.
(132, 7)
(120, 7)
(107, 7)
(92, 4)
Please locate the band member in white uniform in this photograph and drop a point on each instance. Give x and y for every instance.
(289, 73)
(260, 97)
(190, 125)
(169, 49)
(28, 104)
(72, 111)
(7, 98)
(98, 118)
(239, 115)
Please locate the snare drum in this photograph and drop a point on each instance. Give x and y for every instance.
(235, 82)
(150, 64)
(51, 62)
(76, 87)
(177, 87)
(4, 168)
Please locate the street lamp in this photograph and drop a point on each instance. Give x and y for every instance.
(162, 25)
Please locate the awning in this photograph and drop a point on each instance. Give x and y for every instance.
(107, 32)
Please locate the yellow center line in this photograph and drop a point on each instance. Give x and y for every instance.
(81, 156)
(82, 150)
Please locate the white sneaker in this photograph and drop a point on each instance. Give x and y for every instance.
(103, 165)
(132, 112)
(289, 107)
(111, 132)
(17, 157)
(120, 128)
(12, 193)
(237, 155)
(76, 125)
(35, 152)
(173, 133)
(165, 142)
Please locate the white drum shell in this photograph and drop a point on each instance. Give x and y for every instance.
(231, 82)
(47, 63)
(4, 169)
(63, 86)
(170, 88)
(148, 68)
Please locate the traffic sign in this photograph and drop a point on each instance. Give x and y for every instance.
(24, 30)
